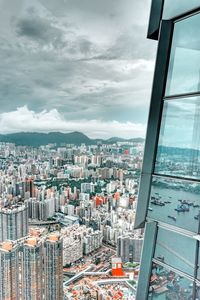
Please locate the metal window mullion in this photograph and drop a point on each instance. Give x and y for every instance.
(146, 260)
(154, 120)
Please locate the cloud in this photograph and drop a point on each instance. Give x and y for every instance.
(86, 60)
(27, 120)
(41, 31)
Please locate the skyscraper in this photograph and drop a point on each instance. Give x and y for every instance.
(129, 248)
(9, 270)
(53, 263)
(169, 201)
(13, 222)
(32, 269)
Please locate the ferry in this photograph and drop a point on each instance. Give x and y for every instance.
(158, 202)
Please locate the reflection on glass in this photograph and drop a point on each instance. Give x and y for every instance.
(198, 272)
(171, 249)
(168, 285)
(173, 8)
(184, 67)
(197, 296)
(175, 202)
(178, 152)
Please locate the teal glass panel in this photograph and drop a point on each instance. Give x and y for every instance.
(174, 8)
(197, 291)
(178, 152)
(175, 202)
(198, 270)
(168, 285)
(171, 249)
(184, 73)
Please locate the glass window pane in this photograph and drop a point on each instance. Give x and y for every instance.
(173, 8)
(197, 291)
(179, 141)
(198, 270)
(175, 202)
(184, 68)
(171, 249)
(168, 285)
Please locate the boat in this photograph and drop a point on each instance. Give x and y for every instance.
(167, 202)
(197, 217)
(190, 203)
(196, 205)
(173, 218)
(182, 208)
(186, 202)
(150, 208)
(158, 202)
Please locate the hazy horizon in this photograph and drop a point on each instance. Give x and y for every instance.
(70, 132)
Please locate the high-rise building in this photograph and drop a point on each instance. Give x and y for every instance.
(13, 222)
(72, 248)
(32, 269)
(9, 271)
(53, 263)
(92, 241)
(129, 248)
(41, 210)
(168, 204)
(87, 187)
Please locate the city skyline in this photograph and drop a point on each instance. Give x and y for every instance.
(73, 67)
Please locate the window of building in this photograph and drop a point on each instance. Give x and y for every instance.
(173, 8)
(167, 284)
(175, 202)
(171, 250)
(178, 151)
(184, 70)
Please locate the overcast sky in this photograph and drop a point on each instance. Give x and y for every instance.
(75, 65)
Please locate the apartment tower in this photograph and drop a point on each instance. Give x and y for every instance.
(53, 263)
(9, 270)
(32, 269)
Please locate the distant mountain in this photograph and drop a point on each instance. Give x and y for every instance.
(36, 139)
(117, 139)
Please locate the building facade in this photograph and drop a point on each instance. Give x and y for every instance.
(129, 248)
(13, 222)
(53, 262)
(9, 268)
(31, 270)
(169, 196)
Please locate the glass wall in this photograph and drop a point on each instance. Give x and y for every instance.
(173, 212)
(175, 189)
(184, 69)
